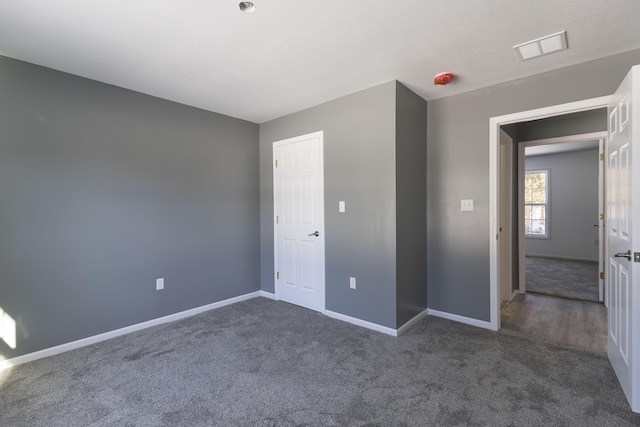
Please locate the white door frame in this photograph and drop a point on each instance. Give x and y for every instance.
(320, 136)
(494, 190)
(506, 224)
(522, 145)
(602, 236)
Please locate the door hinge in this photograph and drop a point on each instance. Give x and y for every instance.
(276, 163)
(601, 217)
(602, 275)
(278, 275)
(601, 156)
(277, 219)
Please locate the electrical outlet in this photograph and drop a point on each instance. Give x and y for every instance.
(352, 282)
(466, 205)
(160, 284)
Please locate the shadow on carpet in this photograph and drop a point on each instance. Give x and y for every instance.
(562, 278)
(268, 363)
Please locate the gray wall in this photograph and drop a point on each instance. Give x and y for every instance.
(359, 168)
(103, 190)
(458, 168)
(564, 125)
(411, 186)
(573, 197)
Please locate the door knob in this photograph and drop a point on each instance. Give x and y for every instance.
(626, 255)
(317, 234)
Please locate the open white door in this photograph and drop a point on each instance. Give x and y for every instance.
(299, 221)
(623, 206)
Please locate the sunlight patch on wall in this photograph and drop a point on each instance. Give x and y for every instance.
(7, 329)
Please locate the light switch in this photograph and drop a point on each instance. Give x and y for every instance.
(341, 206)
(466, 205)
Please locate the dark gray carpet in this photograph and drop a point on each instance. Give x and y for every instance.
(267, 363)
(562, 278)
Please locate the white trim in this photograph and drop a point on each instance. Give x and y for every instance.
(494, 145)
(268, 295)
(514, 294)
(52, 351)
(457, 318)
(363, 323)
(505, 242)
(415, 319)
(569, 138)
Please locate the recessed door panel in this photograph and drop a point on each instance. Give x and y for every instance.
(308, 256)
(307, 203)
(623, 291)
(290, 262)
(289, 200)
(612, 193)
(623, 192)
(614, 319)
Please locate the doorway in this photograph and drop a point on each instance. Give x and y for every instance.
(495, 176)
(298, 184)
(561, 210)
(556, 203)
(622, 157)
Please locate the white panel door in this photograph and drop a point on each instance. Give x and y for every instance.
(299, 221)
(623, 206)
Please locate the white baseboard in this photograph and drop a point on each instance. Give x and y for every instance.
(363, 323)
(402, 329)
(269, 295)
(4, 364)
(461, 319)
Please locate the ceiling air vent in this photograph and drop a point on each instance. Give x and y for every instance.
(542, 46)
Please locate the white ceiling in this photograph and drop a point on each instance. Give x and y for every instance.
(293, 54)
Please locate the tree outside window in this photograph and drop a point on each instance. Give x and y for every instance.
(536, 203)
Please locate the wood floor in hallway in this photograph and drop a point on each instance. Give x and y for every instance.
(576, 323)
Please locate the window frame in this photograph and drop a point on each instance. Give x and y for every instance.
(547, 205)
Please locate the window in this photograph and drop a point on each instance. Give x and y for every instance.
(536, 203)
